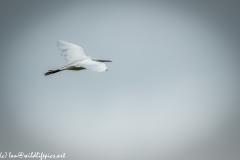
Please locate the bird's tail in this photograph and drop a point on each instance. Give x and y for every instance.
(52, 71)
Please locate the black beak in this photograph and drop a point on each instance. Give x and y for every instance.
(104, 61)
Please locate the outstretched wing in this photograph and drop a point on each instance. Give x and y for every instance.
(70, 51)
(92, 65)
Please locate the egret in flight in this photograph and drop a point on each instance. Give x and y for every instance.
(77, 60)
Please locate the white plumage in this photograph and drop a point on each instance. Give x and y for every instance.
(71, 52)
(77, 60)
(92, 65)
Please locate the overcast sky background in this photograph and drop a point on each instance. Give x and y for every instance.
(171, 92)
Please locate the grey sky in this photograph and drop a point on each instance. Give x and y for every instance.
(171, 92)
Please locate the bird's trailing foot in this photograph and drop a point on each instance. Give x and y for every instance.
(52, 72)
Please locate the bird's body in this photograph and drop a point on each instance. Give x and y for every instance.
(77, 60)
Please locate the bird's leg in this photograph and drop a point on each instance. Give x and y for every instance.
(52, 72)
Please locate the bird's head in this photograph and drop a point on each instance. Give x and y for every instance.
(99, 60)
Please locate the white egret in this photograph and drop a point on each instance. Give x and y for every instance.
(77, 60)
